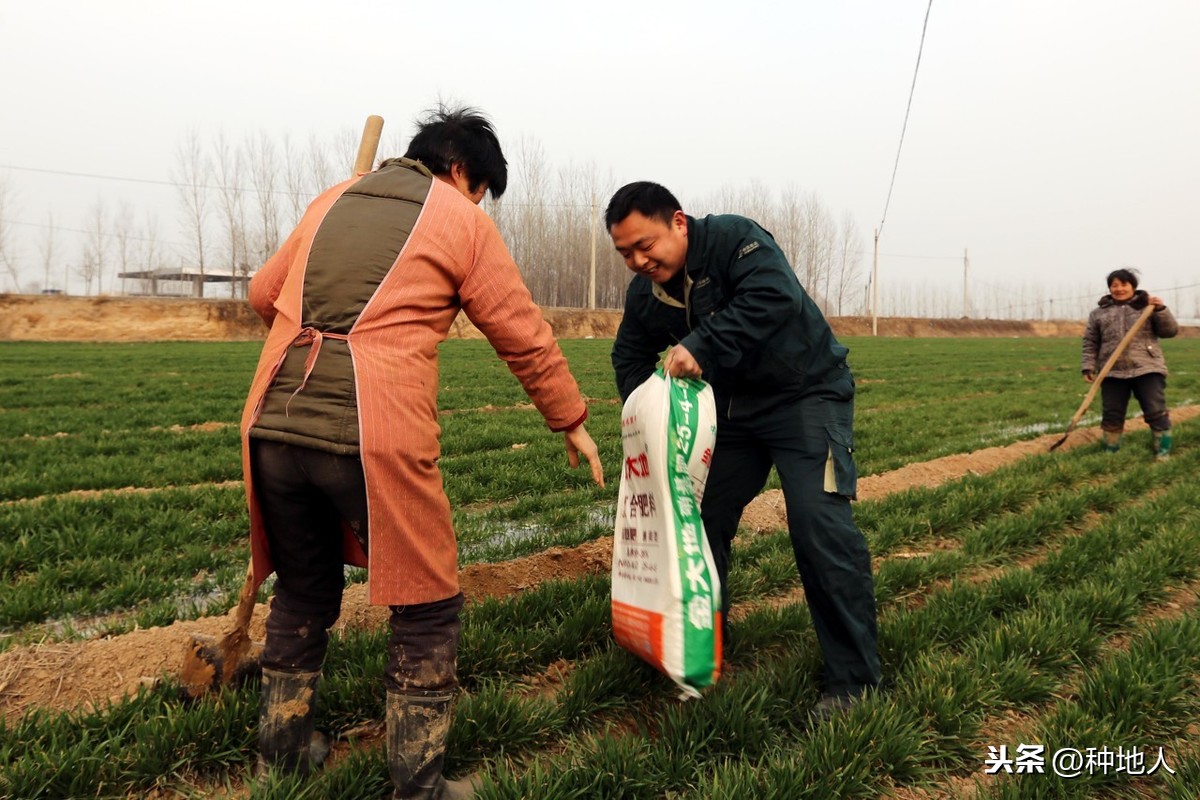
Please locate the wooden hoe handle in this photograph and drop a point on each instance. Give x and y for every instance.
(1107, 368)
(369, 144)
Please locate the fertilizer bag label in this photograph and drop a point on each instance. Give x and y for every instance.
(666, 597)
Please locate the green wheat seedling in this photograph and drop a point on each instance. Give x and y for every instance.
(38, 467)
(1140, 697)
(84, 557)
(525, 634)
(123, 749)
(79, 388)
(742, 679)
(1041, 639)
(981, 616)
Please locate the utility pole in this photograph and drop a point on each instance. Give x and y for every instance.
(966, 268)
(592, 270)
(875, 289)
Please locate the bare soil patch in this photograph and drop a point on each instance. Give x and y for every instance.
(148, 319)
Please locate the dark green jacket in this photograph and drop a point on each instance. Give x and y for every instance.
(756, 333)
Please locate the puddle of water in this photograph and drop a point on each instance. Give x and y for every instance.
(509, 534)
(1026, 430)
(1040, 428)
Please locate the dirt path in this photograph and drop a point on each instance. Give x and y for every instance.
(90, 673)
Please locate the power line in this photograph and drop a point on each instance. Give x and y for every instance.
(90, 232)
(174, 184)
(1090, 296)
(901, 255)
(177, 184)
(908, 108)
(46, 226)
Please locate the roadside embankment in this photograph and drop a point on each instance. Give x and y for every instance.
(138, 319)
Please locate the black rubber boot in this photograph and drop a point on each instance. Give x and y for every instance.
(417, 725)
(286, 738)
(1112, 441)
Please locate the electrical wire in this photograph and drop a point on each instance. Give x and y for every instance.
(912, 90)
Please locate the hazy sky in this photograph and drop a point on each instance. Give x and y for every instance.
(1054, 140)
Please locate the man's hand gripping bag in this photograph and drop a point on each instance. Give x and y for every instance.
(666, 597)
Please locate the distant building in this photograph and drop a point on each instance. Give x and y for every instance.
(181, 281)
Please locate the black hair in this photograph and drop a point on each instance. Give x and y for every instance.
(651, 200)
(448, 136)
(1123, 274)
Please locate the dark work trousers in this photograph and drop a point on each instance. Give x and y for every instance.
(1151, 393)
(305, 496)
(799, 438)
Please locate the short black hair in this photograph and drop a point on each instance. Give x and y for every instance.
(1125, 274)
(448, 136)
(651, 200)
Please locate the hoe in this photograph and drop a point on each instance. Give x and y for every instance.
(209, 662)
(1108, 365)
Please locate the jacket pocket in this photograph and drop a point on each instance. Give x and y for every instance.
(841, 473)
(705, 299)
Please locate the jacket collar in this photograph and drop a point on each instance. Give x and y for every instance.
(1139, 300)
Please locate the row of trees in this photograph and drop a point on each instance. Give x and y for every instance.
(553, 222)
(234, 201)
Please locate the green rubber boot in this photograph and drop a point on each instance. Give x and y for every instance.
(1111, 442)
(1162, 445)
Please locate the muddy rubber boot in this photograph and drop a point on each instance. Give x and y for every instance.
(1111, 442)
(1162, 445)
(417, 726)
(286, 738)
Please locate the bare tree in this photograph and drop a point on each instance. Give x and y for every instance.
(192, 176)
(95, 249)
(345, 150)
(816, 247)
(264, 177)
(755, 201)
(612, 276)
(527, 222)
(123, 237)
(148, 253)
(46, 248)
(322, 171)
(8, 259)
(230, 170)
(86, 269)
(848, 259)
(791, 230)
(294, 181)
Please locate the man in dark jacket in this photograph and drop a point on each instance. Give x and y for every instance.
(720, 294)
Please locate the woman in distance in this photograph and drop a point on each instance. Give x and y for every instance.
(1141, 369)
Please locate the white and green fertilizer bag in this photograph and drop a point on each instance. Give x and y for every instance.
(666, 596)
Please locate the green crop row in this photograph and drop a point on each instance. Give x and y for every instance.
(504, 472)
(1007, 599)
(998, 593)
(109, 416)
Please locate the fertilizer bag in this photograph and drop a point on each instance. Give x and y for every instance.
(666, 596)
